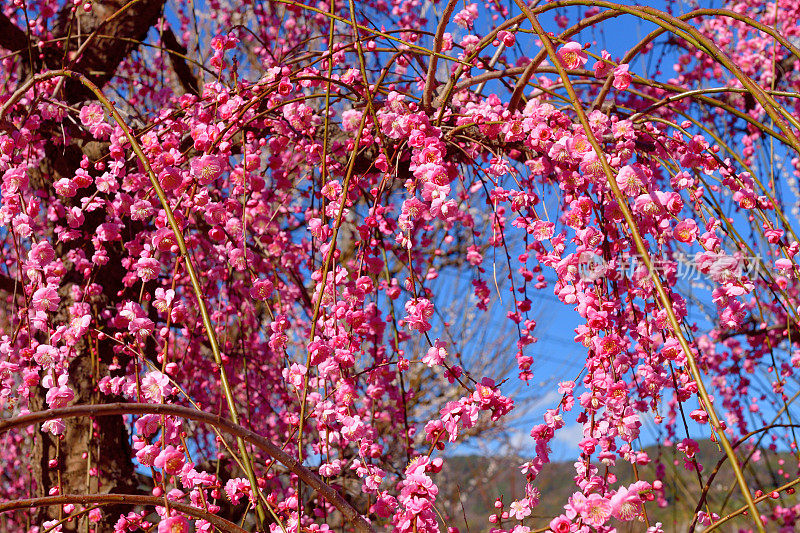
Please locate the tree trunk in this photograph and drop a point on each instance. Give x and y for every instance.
(94, 455)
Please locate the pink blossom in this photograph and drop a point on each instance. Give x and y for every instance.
(622, 78)
(520, 509)
(572, 56)
(631, 179)
(602, 66)
(170, 460)
(783, 264)
(163, 299)
(236, 488)
(596, 510)
(206, 168)
(436, 354)
(60, 394)
(561, 524)
(625, 505)
(174, 524)
(141, 326)
(261, 289)
(147, 454)
(54, 427)
(14, 179)
(91, 115)
(147, 424)
(419, 311)
(147, 268)
(542, 230)
(156, 386)
(45, 299)
(170, 178)
(686, 230)
(95, 515)
(41, 254)
(296, 375)
(465, 17)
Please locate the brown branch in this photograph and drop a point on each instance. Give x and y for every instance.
(781, 329)
(177, 55)
(12, 38)
(124, 24)
(128, 499)
(430, 78)
(359, 523)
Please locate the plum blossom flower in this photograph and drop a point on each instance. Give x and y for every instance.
(170, 178)
(174, 524)
(602, 67)
(45, 299)
(54, 427)
(467, 16)
(206, 168)
(707, 519)
(296, 374)
(95, 515)
(261, 289)
(147, 268)
(436, 354)
(699, 415)
(59, 394)
(631, 179)
(41, 254)
(164, 240)
(147, 454)
(146, 425)
(686, 230)
(163, 299)
(141, 327)
(141, 210)
(236, 488)
(626, 504)
(596, 510)
(520, 509)
(783, 264)
(542, 230)
(156, 386)
(572, 56)
(419, 311)
(91, 115)
(14, 179)
(622, 78)
(170, 460)
(561, 524)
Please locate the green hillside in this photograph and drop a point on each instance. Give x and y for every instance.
(469, 486)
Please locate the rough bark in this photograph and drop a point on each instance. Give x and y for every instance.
(11, 37)
(117, 34)
(102, 444)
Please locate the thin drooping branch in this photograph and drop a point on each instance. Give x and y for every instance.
(137, 149)
(310, 478)
(125, 499)
(663, 296)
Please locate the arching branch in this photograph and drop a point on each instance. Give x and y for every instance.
(125, 499)
(310, 478)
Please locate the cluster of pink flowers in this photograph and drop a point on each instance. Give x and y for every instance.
(325, 211)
